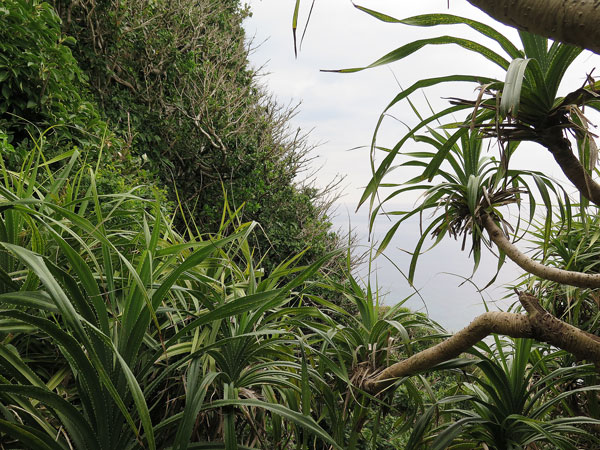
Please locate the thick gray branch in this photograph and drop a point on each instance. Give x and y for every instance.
(571, 21)
(508, 324)
(560, 148)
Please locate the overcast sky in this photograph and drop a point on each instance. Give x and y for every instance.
(342, 110)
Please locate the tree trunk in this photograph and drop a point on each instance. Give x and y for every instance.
(537, 324)
(571, 21)
(557, 144)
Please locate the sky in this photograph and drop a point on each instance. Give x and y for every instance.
(341, 111)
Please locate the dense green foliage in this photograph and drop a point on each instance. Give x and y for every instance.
(125, 334)
(138, 164)
(41, 82)
(111, 319)
(44, 92)
(173, 80)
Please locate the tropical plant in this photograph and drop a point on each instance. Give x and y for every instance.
(469, 194)
(524, 107)
(511, 400)
(100, 324)
(347, 349)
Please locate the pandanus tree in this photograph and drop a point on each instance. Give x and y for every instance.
(469, 193)
(119, 333)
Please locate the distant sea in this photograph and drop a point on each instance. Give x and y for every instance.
(445, 286)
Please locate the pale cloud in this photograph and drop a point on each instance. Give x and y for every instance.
(342, 109)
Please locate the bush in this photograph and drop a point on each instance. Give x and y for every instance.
(173, 79)
(45, 93)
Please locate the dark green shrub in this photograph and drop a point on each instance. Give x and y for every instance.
(45, 101)
(173, 78)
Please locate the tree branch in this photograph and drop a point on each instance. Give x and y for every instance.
(537, 324)
(571, 21)
(560, 148)
(578, 279)
(509, 324)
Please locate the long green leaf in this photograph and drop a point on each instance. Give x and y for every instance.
(511, 94)
(32, 438)
(412, 47)
(77, 427)
(429, 20)
(299, 419)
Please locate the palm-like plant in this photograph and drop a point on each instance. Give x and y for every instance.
(358, 346)
(467, 186)
(523, 107)
(514, 399)
(102, 314)
(252, 360)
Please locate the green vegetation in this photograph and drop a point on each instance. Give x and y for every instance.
(101, 324)
(522, 394)
(173, 81)
(156, 286)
